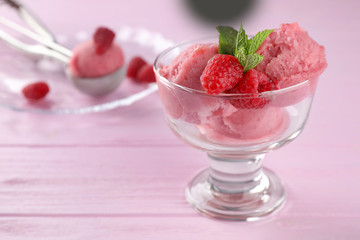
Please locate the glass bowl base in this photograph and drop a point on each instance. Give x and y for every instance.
(246, 205)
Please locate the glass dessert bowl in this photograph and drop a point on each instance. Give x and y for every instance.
(236, 131)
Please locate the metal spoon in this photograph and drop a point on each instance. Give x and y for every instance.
(93, 86)
(30, 18)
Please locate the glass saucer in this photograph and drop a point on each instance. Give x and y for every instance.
(19, 69)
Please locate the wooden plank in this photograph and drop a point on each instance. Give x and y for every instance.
(95, 180)
(300, 228)
(131, 181)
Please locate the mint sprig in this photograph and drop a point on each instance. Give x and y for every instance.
(257, 40)
(227, 39)
(236, 43)
(251, 61)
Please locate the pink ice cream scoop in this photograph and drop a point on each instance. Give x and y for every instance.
(234, 126)
(185, 70)
(97, 66)
(86, 63)
(291, 56)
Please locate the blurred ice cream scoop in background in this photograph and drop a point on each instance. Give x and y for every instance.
(220, 11)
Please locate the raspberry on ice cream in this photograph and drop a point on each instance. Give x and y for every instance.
(252, 83)
(221, 73)
(103, 39)
(97, 57)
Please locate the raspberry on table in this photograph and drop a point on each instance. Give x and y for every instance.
(103, 39)
(253, 83)
(146, 74)
(221, 73)
(134, 66)
(36, 91)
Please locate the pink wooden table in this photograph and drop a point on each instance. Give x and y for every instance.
(121, 174)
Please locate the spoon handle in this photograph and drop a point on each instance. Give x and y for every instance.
(32, 49)
(31, 19)
(46, 42)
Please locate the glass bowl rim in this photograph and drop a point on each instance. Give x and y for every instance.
(221, 95)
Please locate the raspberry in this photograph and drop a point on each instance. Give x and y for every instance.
(134, 66)
(35, 91)
(146, 74)
(221, 73)
(253, 83)
(103, 38)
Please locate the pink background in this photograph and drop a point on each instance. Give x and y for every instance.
(121, 174)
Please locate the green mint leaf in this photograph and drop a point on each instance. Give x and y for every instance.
(227, 38)
(240, 54)
(241, 46)
(257, 40)
(241, 39)
(236, 43)
(252, 61)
